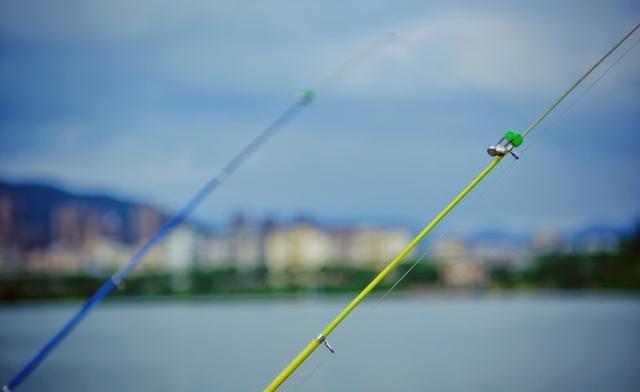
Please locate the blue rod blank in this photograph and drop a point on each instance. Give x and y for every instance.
(176, 220)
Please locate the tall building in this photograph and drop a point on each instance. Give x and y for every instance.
(66, 222)
(307, 246)
(241, 246)
(108, 255)
(299, 246)
(372, 247)
(7, 236)
(8, 243)
(146, 221)
(214, 251)
(180, 249)
(245, 244)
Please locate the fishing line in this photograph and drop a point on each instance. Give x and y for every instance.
(555, 121)
(303, 100)
(358, 58)
(375, 305)
(570, 106)
(577, 83)
(481, 198)
(442, 235)
(378, 301)
(415, 263)
(309, 376)
(505, 146)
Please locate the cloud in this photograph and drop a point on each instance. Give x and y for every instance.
(151, 97)
(499, 49)
(461, 53)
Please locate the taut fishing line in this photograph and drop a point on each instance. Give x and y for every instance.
(556, 120)
(415, 263)
(573, 103)
(308, 376)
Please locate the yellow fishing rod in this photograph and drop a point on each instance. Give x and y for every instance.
(506, 145)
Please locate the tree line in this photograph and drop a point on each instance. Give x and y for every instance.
(614, 270)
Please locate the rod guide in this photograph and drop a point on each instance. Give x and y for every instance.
(323, 339)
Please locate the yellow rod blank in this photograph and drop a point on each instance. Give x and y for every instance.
(304, 354)
(310, 348)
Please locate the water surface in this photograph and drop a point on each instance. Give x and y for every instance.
(407, 343)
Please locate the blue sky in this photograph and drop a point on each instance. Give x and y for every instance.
(148, 99)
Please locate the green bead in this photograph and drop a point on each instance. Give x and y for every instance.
(517, 140)
(309, 95)
(509, 135)
(514, 138)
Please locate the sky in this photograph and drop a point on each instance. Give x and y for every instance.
(149, 99)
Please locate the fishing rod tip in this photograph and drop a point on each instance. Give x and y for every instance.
(305, 96)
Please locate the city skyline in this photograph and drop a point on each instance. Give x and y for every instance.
(71, 197)
(49, 229)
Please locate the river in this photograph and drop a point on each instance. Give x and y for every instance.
(406, 343)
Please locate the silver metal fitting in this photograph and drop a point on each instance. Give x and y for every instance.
(323, 339)
(502, 148)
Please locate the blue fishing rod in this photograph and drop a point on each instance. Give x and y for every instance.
(303, 99)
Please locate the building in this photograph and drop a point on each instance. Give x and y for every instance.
(6, 222)
(179, 249)
(108, 255)
(241, 246)
(304, 245)
(459, 268)
(372, 247)
(145, 223)
(299, 246)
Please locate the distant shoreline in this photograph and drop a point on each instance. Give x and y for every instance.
(434, 293)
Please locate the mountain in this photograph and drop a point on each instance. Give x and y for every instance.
(33, 215)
